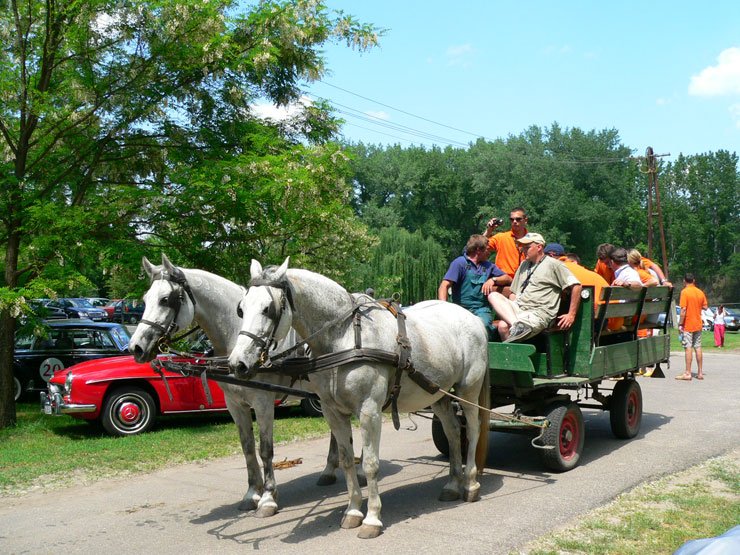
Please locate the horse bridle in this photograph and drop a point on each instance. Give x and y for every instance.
(174, 301)
(274, 313)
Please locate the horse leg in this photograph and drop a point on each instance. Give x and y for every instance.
(443, 410)
(370, 424)
(242, 416)
(328, 476)
(264, 410)
(471, 490)
(342, 430)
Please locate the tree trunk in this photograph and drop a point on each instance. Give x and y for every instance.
(7, 339)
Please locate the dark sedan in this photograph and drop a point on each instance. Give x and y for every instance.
(68, 342)
(128, 311)
(80, 308)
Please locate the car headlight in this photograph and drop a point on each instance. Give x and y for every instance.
(82, 314)
(68, 384)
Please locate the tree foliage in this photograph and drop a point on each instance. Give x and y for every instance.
(579, 189)
(105, 103)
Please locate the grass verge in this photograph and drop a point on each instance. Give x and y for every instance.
(732, 342)
(657, 517)
(43, 451)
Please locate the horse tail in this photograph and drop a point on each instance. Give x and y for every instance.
(484, 419)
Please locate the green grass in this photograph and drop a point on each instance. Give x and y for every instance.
(658, 517)
(732, 342)
(46, 450)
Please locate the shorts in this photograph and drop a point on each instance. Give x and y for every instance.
(691, 339)
(530, 317)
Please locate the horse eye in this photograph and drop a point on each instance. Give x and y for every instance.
(164, 301)
(266, 310)
(239, 311)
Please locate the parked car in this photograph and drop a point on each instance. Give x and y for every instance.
(99, 302)
(41, 309)
(128, 311)
(127, 397)
(79, 308)
(732, 319)
(68, 342)
(110, 307)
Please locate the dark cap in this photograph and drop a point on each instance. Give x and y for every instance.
(555, 248)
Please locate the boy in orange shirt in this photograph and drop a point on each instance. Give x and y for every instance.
(692, 302)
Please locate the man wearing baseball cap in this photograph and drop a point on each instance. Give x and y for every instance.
(536, 290)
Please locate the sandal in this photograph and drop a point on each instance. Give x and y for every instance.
(684, 377)
(700, 377)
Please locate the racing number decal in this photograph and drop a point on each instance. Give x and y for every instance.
(49, 366)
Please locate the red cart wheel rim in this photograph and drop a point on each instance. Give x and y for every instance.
(570, 434)
(633, 409)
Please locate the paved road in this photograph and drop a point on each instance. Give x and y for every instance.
(192, 508)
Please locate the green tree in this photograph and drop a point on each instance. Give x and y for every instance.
(98, 95)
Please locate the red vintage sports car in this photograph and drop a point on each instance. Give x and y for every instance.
(125, 396)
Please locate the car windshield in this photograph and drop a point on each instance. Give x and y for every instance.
(83, 303)
(121, 336)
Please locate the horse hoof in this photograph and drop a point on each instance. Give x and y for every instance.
(247, 505)
(362, 480)
(266, 511)
(449, 495)
(326, 480)
(368, 532)
(351, 521)
(471, 496)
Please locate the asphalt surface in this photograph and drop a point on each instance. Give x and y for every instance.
(193, 508)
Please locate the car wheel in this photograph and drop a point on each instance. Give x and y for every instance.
(133, 319)
(128, 411)
(311, 407)
(17, 388)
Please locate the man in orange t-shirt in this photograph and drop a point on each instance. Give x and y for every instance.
(508, 255)
(692, 302)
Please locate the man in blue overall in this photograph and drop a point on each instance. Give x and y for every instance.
(472, 277)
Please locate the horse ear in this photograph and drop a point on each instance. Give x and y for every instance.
(148, 267)
(280, 272)
(255, 269)
(167, 264)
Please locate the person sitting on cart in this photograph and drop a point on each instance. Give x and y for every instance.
(536, 292)
(472, 277)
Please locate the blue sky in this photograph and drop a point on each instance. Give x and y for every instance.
(664, 74)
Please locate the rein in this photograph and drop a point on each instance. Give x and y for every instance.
(174, 302)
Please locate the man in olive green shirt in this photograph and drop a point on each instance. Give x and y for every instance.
(536, 292)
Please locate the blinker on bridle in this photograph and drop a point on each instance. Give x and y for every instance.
(272, 313)
(174, 302)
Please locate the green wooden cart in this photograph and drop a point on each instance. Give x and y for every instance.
(551, 377)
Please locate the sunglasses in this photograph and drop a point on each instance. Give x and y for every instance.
(516, 219)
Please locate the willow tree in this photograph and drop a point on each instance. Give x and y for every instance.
(95, 97)
(403, 263)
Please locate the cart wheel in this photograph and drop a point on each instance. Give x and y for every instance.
(440, 439)
(625, 409)
(565, 435)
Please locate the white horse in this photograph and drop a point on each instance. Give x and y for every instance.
(213, 305)
(449, 347)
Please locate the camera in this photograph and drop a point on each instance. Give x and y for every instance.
(495, 222)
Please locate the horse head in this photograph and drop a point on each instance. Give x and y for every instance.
(170, 306)
(266, 311)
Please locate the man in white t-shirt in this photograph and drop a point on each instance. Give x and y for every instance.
(624, 274)
(536, 292)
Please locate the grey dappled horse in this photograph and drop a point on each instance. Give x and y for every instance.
(169, 307)
(449, 346)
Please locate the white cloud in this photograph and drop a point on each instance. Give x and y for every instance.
(278, 113)
(460, 55)
(379, 115)
(555, 50)
(720, 79)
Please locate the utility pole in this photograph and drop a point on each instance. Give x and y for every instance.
(653, 207)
